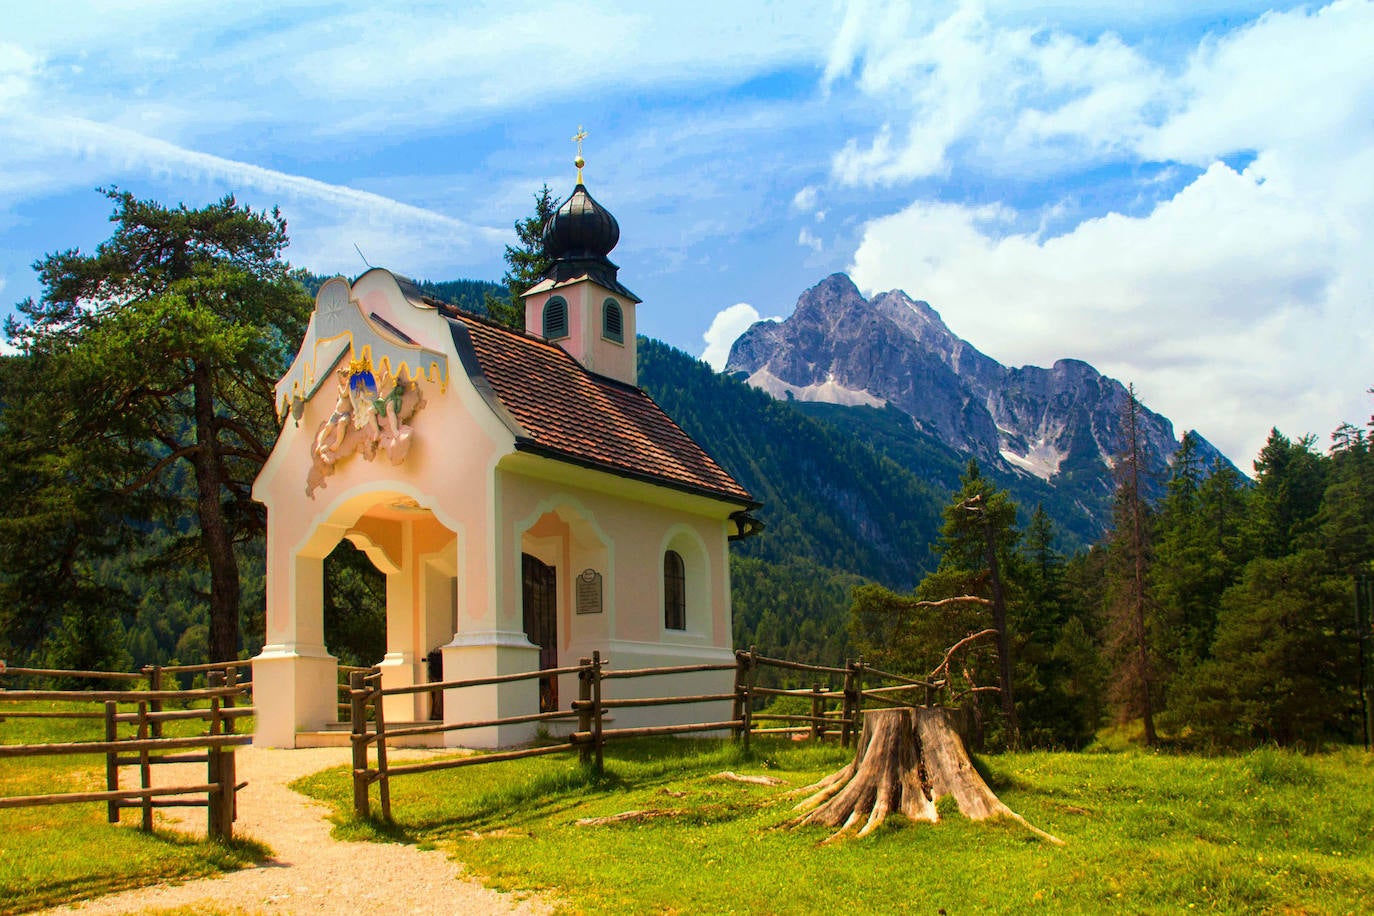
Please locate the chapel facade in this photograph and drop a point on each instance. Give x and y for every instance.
(527, 502)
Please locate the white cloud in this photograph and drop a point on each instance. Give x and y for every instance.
(1234, 306)
(326, 219)
(807, 239)
(1237, 302)
(1008, 98)
(18, 69)
(361, 68)
(805, 200)
(725, 329)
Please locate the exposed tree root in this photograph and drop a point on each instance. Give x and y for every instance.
(906, 761)
(626, 816)
(730, 776)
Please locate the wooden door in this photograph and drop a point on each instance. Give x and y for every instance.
(540, 596)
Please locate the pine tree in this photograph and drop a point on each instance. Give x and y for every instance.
(1129, 605)
(1290, 477)
(1282, 670)
(1188, 573)
(1056, 676)
(159, 354)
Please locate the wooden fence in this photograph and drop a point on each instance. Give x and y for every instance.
(834, 712)
(142, 714)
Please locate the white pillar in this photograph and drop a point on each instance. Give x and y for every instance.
(485, 654)
(294, 677)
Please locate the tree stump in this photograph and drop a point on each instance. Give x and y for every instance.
(906, 761)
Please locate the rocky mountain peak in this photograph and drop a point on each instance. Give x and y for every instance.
(841, 348)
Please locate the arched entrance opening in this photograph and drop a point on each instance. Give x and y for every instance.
(564, 574)
(415, 555)
(354, 606)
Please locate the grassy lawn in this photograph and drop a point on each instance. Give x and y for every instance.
(1269, 832)
(62, 853)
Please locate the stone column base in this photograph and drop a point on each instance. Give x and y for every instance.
(295, 688)
(485, 654)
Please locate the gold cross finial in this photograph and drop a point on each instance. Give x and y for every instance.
(579, 161)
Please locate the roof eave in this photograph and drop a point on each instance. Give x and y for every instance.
(530, 446)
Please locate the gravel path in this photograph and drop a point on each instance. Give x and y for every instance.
(309, 872)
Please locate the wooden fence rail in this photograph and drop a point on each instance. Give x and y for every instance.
(146, 748)
(833, 713)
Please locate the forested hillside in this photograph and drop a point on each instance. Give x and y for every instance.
(828, 497)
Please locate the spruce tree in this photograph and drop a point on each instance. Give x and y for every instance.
(525, 262)
(976, 546)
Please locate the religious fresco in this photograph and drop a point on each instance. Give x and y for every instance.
(379, 367)
(371, 414)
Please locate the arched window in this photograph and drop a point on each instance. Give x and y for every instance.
(612, 321)
(674, 591)
(556, 318)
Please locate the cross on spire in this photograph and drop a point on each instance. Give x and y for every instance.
(579, 161)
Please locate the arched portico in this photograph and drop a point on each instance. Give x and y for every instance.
(416, 550)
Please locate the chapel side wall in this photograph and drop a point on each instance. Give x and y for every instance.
(632, 536)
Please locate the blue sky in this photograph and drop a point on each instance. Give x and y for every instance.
(1177, 192)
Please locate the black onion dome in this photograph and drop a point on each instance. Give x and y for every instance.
(581, 228)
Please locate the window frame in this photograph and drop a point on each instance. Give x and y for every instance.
(550, 304)
(606, 307)
(674, 591)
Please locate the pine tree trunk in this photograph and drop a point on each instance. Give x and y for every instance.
(215, 537)
(906, 761)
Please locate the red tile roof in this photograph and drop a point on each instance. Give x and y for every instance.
(556, 407)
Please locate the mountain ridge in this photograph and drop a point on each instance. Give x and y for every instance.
(840, 348)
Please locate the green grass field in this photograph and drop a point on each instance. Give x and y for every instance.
(62, 853)
(1268, 832)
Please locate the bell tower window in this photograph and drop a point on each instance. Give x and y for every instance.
(556, 318)
(612, 321)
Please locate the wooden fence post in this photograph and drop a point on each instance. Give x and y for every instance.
(847, 704)
(383, 777)
(154, 674)
(817, 726)
(111, 760)
(228, 764)
(357, 714)
(584, 709)
(220, 807)
(750, 676)
(597, 741)
(145, 769)
(858, 695)
(737, 708)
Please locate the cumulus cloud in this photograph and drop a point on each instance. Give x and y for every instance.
(1236, 302)
(1009, 98)
(725, 329)
(1233, 306)
(807, 239)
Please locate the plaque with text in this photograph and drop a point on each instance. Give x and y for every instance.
(589, 592)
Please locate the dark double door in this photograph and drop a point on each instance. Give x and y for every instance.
(540, 596)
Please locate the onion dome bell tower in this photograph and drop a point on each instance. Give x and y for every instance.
(579, 303)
